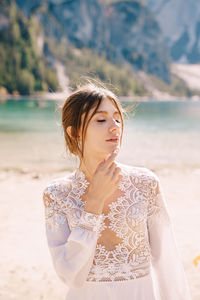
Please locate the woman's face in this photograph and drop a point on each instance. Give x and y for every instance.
(104, 130)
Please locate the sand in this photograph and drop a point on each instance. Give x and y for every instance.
(26, 269)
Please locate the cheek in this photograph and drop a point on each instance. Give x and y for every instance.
(95, 132)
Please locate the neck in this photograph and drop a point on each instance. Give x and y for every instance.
(89, 165)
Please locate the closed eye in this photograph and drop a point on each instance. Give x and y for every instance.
(118, 121)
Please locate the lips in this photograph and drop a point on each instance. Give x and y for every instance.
(113, 139)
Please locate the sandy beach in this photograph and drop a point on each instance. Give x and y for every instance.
(163, 137)
(25, 263)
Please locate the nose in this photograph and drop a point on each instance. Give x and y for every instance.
(114, 126)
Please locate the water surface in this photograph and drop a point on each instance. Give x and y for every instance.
(158, 135)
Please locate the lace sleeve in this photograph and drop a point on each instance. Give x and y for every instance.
(72, 251)
(157, 207)
(168, 271)
(54, 216)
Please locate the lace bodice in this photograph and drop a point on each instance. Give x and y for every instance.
(132, 238)
(122, 249)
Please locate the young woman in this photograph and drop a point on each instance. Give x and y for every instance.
(108, 229)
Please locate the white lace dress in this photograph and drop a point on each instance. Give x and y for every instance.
(128, 252)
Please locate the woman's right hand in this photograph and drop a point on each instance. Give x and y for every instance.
(104, 182)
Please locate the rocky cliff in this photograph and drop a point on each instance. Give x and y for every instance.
(179, 21)
(126, 31)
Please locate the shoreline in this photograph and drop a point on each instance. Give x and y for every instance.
(60, 97)
(39, 173)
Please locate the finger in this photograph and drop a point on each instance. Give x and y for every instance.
(118, 180)
(116, 173)
(111, 158)
(117, 177)
(100, 165)
(111, 169)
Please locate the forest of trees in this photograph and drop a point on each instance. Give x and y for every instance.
(27, 67)
(23, 68)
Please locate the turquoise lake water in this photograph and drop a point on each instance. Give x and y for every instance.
(159, 135)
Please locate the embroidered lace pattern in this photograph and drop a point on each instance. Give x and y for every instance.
(62, 201)
(126, 222)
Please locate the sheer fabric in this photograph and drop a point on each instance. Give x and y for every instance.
(129, 244)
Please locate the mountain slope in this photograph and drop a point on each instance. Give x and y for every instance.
(125, 30)
(180, 24)
(23, 68)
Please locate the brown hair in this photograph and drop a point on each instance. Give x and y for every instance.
(81, 102)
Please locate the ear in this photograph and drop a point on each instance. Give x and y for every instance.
(69, 132)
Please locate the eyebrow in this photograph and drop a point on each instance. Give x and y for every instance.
(105, 112)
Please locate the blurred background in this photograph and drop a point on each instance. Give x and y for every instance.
(148, 53)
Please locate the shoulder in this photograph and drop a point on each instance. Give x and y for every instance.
(59, 183)
(140, 172)
(56, 187)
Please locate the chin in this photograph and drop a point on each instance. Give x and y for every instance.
(112, 147)
(108, 149)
